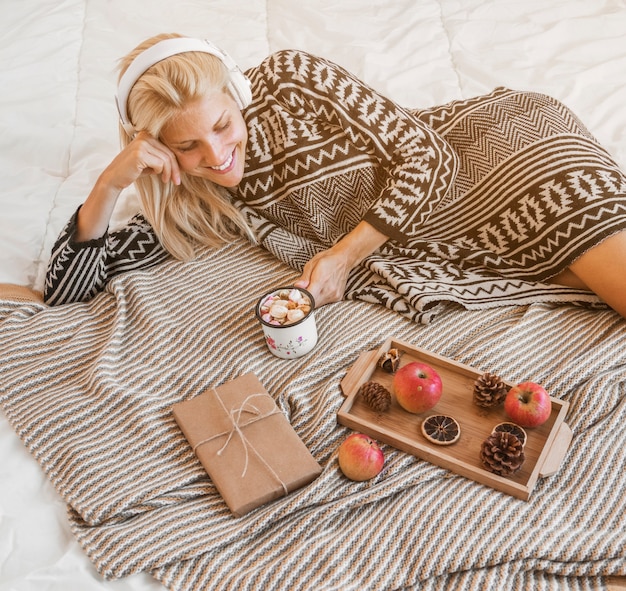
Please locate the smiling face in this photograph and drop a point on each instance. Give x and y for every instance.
(209, 139)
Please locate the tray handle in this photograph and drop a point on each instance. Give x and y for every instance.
(557, 451)
(354, 374)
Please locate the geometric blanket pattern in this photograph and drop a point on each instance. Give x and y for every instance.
(533, 191)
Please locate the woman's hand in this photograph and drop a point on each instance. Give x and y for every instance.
(326, 274)
(144, 155)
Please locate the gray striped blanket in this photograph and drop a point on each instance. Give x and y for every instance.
(89, 389)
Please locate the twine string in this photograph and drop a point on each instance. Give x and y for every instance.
(235, 415)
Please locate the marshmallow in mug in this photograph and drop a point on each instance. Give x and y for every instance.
(285, 307)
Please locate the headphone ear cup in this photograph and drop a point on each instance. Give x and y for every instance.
(239, 87)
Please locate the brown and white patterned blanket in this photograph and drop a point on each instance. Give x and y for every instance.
(533, 191)
(89, 390)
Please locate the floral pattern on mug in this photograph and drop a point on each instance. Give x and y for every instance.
(290, 348)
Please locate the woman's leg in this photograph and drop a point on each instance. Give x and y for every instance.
(601, 270)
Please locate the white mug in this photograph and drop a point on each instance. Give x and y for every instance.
(290, 340)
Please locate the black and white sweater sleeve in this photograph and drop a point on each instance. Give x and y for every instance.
(77, 271)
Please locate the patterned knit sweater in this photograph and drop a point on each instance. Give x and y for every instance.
(324, 151)
(482, 199)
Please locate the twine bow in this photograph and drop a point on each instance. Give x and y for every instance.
(235, 418)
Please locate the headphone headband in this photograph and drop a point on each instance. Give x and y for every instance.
(239, 85)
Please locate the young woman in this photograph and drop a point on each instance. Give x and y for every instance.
(497, 200)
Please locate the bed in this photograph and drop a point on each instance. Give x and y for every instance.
(98, 489)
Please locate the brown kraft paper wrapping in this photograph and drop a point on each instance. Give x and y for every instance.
(245, 443)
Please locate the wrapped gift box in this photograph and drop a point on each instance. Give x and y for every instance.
(245, 443)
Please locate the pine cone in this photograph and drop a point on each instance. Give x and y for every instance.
(376, 395)
(489, 390)
(502, 453)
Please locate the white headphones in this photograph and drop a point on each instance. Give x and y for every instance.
(238, 85)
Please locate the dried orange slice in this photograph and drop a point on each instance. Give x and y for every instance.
(441, 429)
(514, 428)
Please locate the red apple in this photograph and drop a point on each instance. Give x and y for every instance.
(360, 458)
(528, 404)
(417, 387)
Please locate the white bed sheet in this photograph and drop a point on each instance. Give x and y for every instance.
(59, 129)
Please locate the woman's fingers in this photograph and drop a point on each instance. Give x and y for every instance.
(144, 155)
(325, 276)
(153, 157)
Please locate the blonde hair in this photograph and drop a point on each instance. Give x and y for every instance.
(197, 212)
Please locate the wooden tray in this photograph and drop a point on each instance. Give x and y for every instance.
(545, 447)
